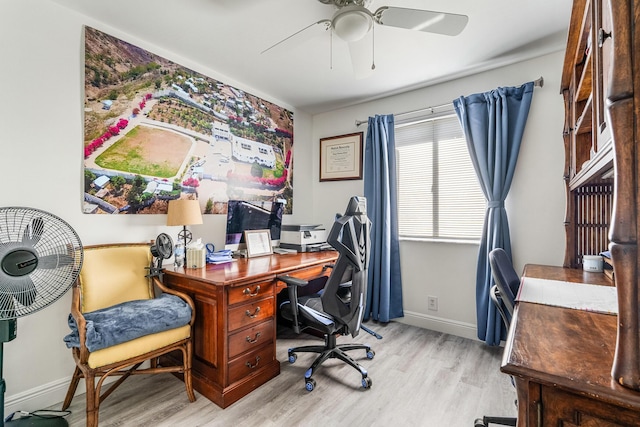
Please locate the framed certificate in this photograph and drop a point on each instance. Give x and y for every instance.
(341, 157)
(258, 242)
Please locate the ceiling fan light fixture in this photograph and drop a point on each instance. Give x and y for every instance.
(352, 23)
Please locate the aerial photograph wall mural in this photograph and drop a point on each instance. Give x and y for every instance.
(155, 131)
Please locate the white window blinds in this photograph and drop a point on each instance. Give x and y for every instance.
(438, 192)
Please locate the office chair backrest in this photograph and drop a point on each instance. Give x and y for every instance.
(506, 278)
(350, 236)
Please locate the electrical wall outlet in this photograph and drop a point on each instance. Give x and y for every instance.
(432, 303)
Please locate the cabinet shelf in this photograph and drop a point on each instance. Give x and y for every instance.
(585, 119)
(585, 83)
(595, 168)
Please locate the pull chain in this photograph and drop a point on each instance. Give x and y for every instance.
(373, 47)
(331, 48)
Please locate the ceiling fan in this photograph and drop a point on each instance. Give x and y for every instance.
(352, 21)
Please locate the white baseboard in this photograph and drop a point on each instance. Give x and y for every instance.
(440, 324)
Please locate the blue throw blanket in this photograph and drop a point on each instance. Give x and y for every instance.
(130, 320)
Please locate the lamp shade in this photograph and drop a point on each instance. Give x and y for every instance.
(184, 212)
(352, 23)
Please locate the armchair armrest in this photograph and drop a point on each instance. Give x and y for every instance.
(76, 313)
(182, 295)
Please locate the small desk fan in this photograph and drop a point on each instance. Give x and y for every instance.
(161, 249)
(40, 258)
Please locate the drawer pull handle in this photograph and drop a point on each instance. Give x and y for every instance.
(254, 340)
(250, 366)
(248, 292)
(255, 313)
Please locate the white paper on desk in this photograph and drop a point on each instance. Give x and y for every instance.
(579, 296)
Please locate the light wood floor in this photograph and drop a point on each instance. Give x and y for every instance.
(420, 378)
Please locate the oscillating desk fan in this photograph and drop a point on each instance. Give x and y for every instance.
(40, 258)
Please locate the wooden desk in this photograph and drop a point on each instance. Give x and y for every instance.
(561, 361)
(235, 329)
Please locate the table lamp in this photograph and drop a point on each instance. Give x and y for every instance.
(184, 212)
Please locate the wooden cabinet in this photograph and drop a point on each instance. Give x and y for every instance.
(235, 327)
(600, 73)
(588, 141)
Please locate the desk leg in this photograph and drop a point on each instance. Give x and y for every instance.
(529, 402)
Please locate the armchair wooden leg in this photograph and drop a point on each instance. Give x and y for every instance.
(93, 401)
(73, 386)
(186, 355)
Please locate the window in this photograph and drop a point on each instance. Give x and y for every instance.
(439, 196)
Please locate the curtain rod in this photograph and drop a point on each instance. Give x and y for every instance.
(539, 83)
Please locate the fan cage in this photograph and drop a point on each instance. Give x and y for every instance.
(58, 250)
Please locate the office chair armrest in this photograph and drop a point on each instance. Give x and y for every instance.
(293, 281)
(494, 293)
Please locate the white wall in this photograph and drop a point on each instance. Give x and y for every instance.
(41, 166)
(535, 204)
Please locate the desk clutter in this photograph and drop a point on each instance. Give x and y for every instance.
(607, 264)
(218, 257)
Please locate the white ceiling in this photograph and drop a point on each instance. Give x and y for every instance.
(228, 36)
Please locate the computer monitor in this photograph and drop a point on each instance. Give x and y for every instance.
(252, 215)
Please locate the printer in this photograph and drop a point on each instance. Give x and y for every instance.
(304, 237)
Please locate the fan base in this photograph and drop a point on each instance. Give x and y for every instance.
(37, 422)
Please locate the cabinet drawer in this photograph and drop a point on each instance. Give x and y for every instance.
(251, 314)
(251, 292)
(251, 338)
(250, 363)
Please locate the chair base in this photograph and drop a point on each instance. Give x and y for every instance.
(331, 350)
(503, 421)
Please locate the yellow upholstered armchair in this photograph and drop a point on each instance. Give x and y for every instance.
(118, 322)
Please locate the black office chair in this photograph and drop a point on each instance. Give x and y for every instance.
(503, 294)
(338, 309)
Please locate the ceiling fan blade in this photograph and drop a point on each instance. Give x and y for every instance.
(361, 53)
(320, 26)
(449, 24)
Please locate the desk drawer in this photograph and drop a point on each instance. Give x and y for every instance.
(250, 314)
(251, 292)
(246, 365)
(251, 338)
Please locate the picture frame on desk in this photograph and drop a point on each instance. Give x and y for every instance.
(341, 157)
(258, 243)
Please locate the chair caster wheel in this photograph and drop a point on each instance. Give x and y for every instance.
(293, 357)
(366, 383)
(479, 422)
(371, 354)
(310, 384)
